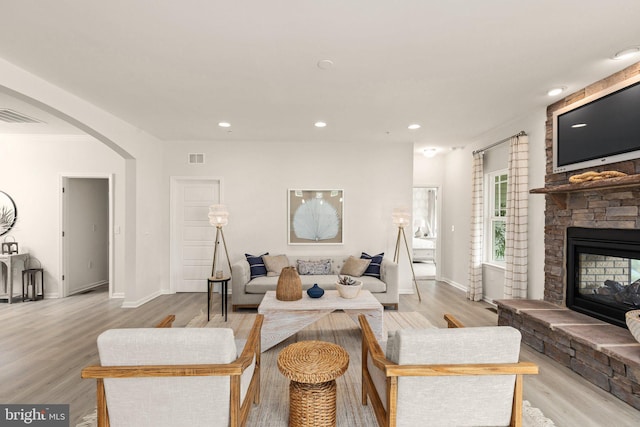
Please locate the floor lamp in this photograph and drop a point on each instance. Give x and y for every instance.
(219, 217)
(401, 218)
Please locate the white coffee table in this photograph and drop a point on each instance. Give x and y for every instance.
(284, 318)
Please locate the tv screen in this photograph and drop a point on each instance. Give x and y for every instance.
(603, 128)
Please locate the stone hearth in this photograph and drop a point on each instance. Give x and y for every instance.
(606, 355)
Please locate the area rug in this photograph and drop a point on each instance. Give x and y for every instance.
(338, 328)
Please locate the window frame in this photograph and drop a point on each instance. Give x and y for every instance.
(490, 217)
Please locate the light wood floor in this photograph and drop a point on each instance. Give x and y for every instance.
(45, 344)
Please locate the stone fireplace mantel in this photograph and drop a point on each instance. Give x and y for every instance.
(559, 192)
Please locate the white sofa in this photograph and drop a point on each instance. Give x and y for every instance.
(247, 293)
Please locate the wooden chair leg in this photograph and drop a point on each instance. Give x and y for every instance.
(103, 414)
(516, 410)
(364, 359)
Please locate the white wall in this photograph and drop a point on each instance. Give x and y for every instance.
(429, 172)
(456, 199)
(256, 177)
(32, 167)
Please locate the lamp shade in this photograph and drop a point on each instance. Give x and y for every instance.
(218, 215)
(401, 217)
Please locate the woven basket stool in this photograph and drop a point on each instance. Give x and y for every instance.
(312, 367)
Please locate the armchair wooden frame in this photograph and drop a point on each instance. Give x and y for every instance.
(387, 417)
(238, 412)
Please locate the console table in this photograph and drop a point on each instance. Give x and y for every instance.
(7, 277)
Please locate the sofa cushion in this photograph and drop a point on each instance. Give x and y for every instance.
(373, 269)
(275, 264)
(256, 265)
(315, 267)
(355, 267)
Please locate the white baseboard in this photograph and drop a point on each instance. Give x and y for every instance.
(138, 303)
(88, 287)
(117, 295)
(454, 284)
(464, 288)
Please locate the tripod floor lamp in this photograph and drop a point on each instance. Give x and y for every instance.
(401, 218)
(219, 217)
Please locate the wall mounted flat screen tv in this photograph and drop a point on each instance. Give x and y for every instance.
(600, 129)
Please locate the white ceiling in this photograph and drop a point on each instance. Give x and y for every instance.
(458, 67)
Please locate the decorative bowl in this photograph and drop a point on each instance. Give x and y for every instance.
(633, 323)
(349, 291)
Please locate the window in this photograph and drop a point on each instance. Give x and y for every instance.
(496, 218)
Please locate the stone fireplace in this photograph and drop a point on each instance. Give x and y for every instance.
(592, 261)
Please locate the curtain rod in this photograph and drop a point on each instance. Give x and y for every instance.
(522, 133)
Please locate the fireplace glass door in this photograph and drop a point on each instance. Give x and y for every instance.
(603, 272)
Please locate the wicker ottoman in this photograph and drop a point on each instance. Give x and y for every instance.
(312, 367)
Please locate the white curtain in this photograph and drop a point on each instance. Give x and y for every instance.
(474, 291)
(515, 280)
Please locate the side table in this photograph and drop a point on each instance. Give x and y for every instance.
(312, 367)
(30, 279)
(224, 287)
(7, 274)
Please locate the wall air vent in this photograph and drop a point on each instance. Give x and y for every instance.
(196, 158)
(10, 116)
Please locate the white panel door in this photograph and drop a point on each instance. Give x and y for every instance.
(193, 237)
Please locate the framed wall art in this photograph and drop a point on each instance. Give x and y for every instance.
(315, 217)
(8, 213)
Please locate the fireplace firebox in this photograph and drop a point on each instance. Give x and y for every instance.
(603, 272)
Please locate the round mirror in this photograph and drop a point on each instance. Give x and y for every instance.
(8, 213)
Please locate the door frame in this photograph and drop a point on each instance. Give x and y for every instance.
(174, 254)
(63, 259)
(439, 239)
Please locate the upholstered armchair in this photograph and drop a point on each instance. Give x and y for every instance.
(445, 377)
(176, 376)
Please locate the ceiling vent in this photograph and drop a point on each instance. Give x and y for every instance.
(10, 116)
(196, 158)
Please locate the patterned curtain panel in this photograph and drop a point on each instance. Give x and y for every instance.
(474, 291)
(515, 280)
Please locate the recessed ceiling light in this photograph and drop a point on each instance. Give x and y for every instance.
(626, 53)
(224, 124)
(325, 64)
(320, 124)
(414, 126)
(556, 91)
(430, 152)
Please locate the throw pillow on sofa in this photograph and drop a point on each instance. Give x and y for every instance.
(355, 267)
(275, 264)
(256, 265)
(322, 266)
(374, 267)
